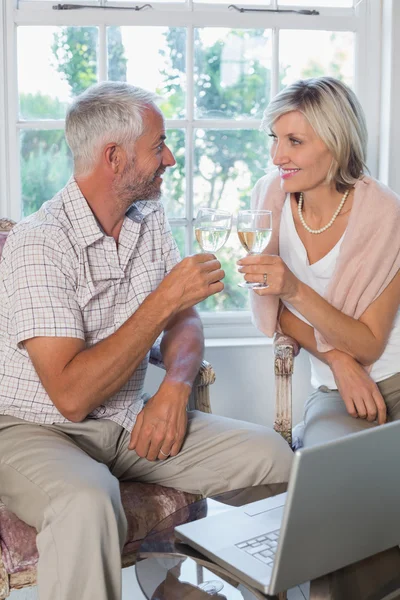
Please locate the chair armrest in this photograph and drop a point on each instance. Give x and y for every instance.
(6, 224)
(200, 396)
(285, 349)
(4, 581)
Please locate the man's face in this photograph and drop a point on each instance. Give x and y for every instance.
(141, 178)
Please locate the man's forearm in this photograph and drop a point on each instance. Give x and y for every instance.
(97, 373)
(182, 348)
(79, 379)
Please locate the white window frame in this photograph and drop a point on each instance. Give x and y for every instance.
(364, 20)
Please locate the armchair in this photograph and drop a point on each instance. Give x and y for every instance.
(145, 504)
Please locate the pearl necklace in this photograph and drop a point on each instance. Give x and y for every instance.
(339, 208)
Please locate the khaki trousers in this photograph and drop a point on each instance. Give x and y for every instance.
(64, 480)
(326, 417)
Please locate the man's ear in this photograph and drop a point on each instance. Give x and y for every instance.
(114, 157)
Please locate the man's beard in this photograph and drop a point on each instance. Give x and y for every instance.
(132, 187)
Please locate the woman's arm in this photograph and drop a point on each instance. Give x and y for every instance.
(363, 339)
(359, 392)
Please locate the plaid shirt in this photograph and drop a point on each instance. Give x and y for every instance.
(62, 276)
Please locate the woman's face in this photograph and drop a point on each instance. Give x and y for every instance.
(302, 157)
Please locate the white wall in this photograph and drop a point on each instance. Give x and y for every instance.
(244, 388)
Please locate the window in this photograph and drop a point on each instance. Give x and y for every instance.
(214, 67)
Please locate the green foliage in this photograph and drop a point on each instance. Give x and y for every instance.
(117, 60)
(313, 69)
(46, 162)
(174, 179)
(222, 157)
(75, 56)
(75, 53)
(46, 165)
(39, 106)
(172, 92)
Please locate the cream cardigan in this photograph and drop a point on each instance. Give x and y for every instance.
(369, 256)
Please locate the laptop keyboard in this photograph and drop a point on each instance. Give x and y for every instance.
(262, 547)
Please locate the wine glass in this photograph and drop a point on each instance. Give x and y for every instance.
(254, 229)
(212, 227)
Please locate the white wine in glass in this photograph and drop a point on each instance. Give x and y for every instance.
(212, 228)
(254, 229)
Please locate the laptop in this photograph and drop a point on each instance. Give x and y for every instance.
(342, 505)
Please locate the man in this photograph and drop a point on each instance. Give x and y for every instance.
(87, 284)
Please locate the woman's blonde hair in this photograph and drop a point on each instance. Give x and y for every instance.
(336, 116)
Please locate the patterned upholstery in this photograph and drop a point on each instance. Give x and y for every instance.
(5, 226)
(145, 505)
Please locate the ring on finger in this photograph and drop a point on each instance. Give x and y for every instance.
(265, 275)
(163, 453)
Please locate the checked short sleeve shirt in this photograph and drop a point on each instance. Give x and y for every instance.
(62, 276)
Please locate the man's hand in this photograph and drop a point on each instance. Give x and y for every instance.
(192, 280)
(360, 393)
(161, 424)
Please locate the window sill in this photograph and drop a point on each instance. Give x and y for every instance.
(230, 325)
(244, 342)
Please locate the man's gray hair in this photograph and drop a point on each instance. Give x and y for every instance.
(336, 116)
(106, 112)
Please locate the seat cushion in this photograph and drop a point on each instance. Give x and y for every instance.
(145, 505)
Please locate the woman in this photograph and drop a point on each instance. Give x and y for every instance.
(333, 263)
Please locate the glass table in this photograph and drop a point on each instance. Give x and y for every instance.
(174, 571)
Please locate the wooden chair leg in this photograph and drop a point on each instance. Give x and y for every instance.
(4, 581)
(282, 596)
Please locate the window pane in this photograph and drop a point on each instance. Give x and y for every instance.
(62, 65)
(178, 231)
(163, 71)
(227, 165)
(174, 187)
(316, 3)
(229, 62)
(298, 58)
(46, 166)
(232, 297)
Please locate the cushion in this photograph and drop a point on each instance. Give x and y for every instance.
(145, 506)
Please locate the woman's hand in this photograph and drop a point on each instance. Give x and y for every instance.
(359, 392)
(281, 281)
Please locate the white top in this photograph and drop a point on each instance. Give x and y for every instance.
(317, 277)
